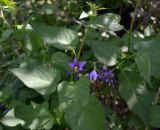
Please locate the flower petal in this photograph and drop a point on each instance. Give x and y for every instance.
(81, 64)
(75, 61)
(72, 65)
(77, 77)
(90, 76)
(93, 75)
(69, 73)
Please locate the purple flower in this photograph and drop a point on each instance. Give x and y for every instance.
(77, 77)
(106, 75)
(77, 65)
(6, 111)
(69, 73)
(3, 109)
(93, 76)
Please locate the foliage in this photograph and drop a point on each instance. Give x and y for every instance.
(59, 72)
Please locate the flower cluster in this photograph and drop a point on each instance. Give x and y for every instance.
(105, 75)
(3, 109)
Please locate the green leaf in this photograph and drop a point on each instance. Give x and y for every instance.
(105, 51)
(107, 22)
(135, 122)
(154, 117)
(10, 120)
(6, 34)
(44, 80)
(61, 59)
(82, 111)
(7, 2)
(4, 94)
(35, 116)
(65, 94)
(87, 117)
(26, 93)
(1, 128)
(144, 66)
(83, 15)
(151, 47)
(134, 92)
(33, 41)
(18, 127)
(116, 128)
(59, 37)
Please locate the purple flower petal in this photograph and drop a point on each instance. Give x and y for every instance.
(107, 80)
(77, 77)
(75, 61)
(72, 65)
(69, 73)
(77, 66)
(6, 111)
(81, 64)
(93, 75)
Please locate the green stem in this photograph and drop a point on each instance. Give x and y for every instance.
(87, 30)
(123, 61)
(132, 22)
(157, 96)
(3, 17)
(72, 76)
(74, 52)
(147, 128)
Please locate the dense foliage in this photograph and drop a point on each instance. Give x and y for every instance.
(75, 65)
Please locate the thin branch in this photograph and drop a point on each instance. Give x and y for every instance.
(157, 96)
(132, 22)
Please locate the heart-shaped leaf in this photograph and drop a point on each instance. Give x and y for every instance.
(44, 80)
(107, 22)
(59, 37)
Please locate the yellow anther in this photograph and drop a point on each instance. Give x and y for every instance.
(76, 67)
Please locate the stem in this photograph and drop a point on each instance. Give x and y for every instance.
(147, 128)
(74, 52)
(94, 64)
(81, 46)
(157, 97)
(3, 17)
(72, 76)
(123, 61)
(125, 30)
(132, 22)
(80, 49)
(44, 57)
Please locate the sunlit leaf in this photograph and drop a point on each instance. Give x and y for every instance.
(151, 47)
(136, 94)
(33, 41)
(105, 51)
(35, 116)
(10, 120)
(107, 22)
(144, 66)
(43, 79)
(80, 106)
(59, 37)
